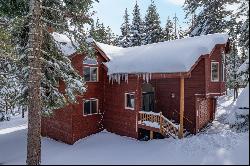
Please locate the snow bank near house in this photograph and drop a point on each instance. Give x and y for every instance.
(244, 67)
(243, 100)
(164, 57)
(230, 114)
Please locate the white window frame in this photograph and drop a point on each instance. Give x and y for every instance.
(97, 73)
(129, 108)
(217, 80)
(97, 106)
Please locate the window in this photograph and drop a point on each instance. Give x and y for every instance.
(215, 72)
(130, 101)
(90, 107)
(91, 74)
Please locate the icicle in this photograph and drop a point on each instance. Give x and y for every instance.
(126, 78)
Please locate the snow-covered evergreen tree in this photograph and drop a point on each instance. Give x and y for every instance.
(9, 85)
(169, 30)
(102, 34)
(213, 16)
(137, 28)
(57, 16)
(124, 39)
(232, 65)
(244, 30)
(154, 33)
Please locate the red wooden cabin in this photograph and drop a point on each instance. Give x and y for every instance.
(164, 88)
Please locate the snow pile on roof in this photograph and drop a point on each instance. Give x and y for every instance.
(243, 100)
(165, 57)
(244, 67)
(90, 61)
(64, 43)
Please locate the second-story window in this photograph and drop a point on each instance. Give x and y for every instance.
(91, 74)
(215, 72)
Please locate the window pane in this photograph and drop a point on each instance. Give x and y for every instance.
(215, 72)
(130, 101)
(87, 73)
(93, 106)
(87, 108)
(93, 74)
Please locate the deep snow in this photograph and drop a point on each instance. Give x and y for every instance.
(217, 144)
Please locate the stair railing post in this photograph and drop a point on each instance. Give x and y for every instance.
(161, 122)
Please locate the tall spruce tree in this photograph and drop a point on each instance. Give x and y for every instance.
(43, 63)
(125, 38)
(137, 27)
(169, 30)
(244, 29)
(212, 17)
(102, 34)
(152, 25)
(57, 16)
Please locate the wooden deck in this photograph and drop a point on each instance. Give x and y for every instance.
(156, 122)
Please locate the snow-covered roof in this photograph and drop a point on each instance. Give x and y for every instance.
(64, 43)
(164, 57)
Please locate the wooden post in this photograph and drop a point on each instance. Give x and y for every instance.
(181, 107)
(151, 135)
(161, 122)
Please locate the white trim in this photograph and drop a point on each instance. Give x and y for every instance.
(223, 72)
(217, 80)
(125, 101)
(97, 73)
(97, 106)
(207, 94)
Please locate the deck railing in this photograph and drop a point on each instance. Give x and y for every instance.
(166, 127)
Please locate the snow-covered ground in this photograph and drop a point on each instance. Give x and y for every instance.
(217, 144)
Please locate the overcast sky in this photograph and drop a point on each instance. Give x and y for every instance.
(111, 12)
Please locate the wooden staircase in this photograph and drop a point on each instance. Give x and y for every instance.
(157, 122)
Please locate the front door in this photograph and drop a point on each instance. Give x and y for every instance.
(148, 102)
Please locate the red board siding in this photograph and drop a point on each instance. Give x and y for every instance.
(117, 119)
(214, 88)
(171, 106)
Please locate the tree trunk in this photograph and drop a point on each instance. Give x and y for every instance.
(34, 104)
(22, 112)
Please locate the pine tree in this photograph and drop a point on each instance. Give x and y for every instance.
(56, 66)
(212, 17)
(169, 30)
(233, 64)
(124, 39)
(244, 29)
(9, 85)
(43, 62)
(137, 28)
(153, 29)
(6, 48)
(100, 33)
(181, 33)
